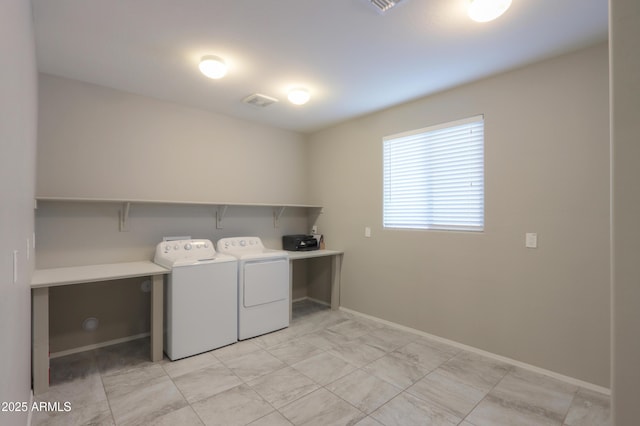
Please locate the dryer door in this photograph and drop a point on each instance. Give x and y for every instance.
(266, 281)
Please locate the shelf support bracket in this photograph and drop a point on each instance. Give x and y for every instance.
(221, 211)
(124, 217)
(277, 212)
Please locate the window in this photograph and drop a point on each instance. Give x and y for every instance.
(434, 177)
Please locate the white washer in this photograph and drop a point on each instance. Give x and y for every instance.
(201, 297)
(263, 285)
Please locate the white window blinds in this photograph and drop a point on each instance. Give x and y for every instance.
(434, 177)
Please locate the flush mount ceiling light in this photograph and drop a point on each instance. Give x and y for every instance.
(213, 67)
(487, 10)
(299, 96)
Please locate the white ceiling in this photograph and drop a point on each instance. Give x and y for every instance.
(353, 59)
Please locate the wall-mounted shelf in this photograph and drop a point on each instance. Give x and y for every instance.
(220, 211)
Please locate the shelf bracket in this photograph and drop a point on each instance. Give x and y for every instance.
(314, 215)
(220, 212)
(123, 216)
(277, 212)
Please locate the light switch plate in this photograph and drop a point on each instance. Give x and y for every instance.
(531, 240)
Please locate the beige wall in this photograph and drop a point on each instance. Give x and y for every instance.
(72, 234)
(99, 142)
(546, 171)
(625, 127)
(18, 108)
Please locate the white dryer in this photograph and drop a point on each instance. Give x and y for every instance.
(201, 297)
(263, 285)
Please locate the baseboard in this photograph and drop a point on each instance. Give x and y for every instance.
(318, 301)
(98, 345)
(532, 368)
(302, 299)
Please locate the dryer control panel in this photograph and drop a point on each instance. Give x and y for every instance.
(169, 252)
(240, 244)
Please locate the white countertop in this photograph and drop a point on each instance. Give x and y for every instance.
(293, 255)
(93, 273)
(112, 271)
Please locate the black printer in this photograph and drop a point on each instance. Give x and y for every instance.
(299, 242)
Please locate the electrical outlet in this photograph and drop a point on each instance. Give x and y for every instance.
(314, 229)
(367, 232)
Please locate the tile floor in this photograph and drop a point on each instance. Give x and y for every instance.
(327, 368)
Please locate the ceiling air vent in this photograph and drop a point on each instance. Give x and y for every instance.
(384, 5)
(259, 100)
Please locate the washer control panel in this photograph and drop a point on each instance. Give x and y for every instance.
(236, 244)
(184, 250)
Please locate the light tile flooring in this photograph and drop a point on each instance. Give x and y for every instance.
(327, 368)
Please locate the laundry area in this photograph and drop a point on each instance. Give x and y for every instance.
(207, 292)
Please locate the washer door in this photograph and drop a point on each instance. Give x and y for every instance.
(265, 282)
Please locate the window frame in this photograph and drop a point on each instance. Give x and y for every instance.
(420, 212)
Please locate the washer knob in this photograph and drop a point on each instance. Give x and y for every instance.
(188, 246)
(243, 243)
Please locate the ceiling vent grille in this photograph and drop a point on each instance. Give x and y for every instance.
(384, 5)
(259, 100)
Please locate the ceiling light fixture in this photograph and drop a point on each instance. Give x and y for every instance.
(299, 96)
(487, 10)
(213, 67)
